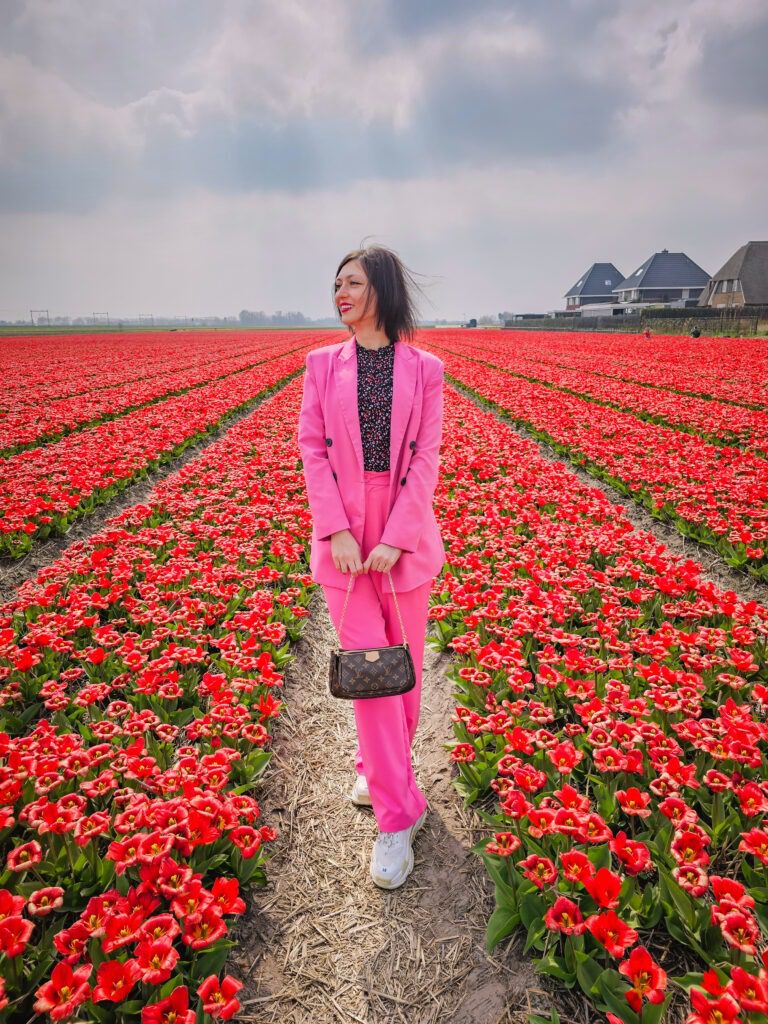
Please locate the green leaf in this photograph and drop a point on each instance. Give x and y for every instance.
(532, 908)
(535, 1018)
(754, 879)
(170, 985)
(497, 873)
(536, 933)
(653, 1012)
(600, 856)
(587, 973)
(689, 981)
(501, 923)
(680, 899)
(135, 1006)
(610, 988)
(556, 967)
(212, 962)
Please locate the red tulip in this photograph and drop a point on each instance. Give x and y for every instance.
(647, 979)
(504, 844)
(604, 888)
(114, 980)
(173, 1010)
(219, 996)
(66, 990)
(14, 935)
(564, 916)
(613, 933)
(156, 959)
(540, 870)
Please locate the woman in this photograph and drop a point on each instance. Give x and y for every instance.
(369, 432)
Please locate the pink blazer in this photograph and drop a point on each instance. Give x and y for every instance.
(332, 456)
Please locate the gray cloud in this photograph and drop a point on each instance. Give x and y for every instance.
(74, 183)
(504, 103)
(521, 113)
(734, 66)
(461, 118)
(160, 153)
(115, 51)
(568, 20)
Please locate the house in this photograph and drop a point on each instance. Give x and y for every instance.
(594, 286)
(666, 277)
(742, 280)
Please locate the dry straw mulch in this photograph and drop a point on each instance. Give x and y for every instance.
(321, 942)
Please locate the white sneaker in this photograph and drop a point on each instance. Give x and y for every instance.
(392, 857)
(360, 794)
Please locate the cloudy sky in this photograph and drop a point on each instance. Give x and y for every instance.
(204, 156)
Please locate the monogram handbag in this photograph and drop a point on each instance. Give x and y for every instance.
(372, 671)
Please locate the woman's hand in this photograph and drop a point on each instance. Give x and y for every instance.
(382, 558)
(345, 552)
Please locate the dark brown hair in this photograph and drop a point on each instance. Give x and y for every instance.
(394, 287)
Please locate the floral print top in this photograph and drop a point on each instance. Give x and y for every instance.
(374, 403)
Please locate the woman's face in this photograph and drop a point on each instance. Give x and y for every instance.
(352, 290)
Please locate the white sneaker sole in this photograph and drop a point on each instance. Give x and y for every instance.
(398, 880)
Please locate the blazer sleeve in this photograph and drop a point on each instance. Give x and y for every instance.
(409, 512)
(325, 502)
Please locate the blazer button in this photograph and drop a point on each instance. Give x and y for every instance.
(403, 482)
(411, 444)
(329, 441)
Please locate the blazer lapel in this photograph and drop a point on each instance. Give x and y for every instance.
(345, 369)
(403, 390)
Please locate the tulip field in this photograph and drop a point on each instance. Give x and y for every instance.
(656, 432)
(77, 450)
(611, 705)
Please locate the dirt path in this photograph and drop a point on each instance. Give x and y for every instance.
(322, 942)
(715, 569)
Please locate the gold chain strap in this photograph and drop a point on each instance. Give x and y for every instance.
(397, 607)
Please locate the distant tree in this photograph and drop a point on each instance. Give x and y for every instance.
(250, 319)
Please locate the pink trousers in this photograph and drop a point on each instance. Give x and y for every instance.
(385, 726)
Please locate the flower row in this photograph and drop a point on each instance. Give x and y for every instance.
(42, 491)
(727, 369)
(139, 675)
(25, 425)
(611, 722)
(716, 495)
(715, 421)
(41, 370)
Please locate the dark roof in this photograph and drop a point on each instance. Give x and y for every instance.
(749, 264)
(598, 280)
(666, 270)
